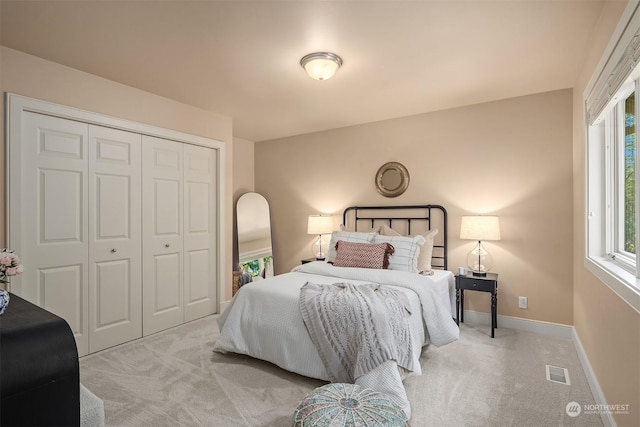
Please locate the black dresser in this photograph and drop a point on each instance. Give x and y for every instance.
(39, 371)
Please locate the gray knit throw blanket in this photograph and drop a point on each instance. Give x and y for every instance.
(357, 327)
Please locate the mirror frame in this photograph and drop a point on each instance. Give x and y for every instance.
(404, 179)
(247, 197)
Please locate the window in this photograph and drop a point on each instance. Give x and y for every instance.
(620, 178)
(612, 194)
(612, 107)
(627, 178)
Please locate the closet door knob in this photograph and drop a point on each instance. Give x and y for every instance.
(114, 250)
(166, 245)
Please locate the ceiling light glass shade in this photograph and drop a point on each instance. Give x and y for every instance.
(480, 227)
(321, 65)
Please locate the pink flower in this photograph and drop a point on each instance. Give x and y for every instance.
(9, 265)
(5, 258)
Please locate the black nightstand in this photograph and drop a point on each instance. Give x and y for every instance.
(489, 283)
(304, 261)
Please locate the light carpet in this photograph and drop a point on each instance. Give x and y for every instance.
(173, 378)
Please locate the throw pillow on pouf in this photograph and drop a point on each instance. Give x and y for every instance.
(348, 405)
(4, 300)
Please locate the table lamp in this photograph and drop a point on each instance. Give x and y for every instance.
(480, 227)
(319, 224)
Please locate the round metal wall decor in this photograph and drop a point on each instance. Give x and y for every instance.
(392, 179)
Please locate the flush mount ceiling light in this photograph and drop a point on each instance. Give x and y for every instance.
(321, 65)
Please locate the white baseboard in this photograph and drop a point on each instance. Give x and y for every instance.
(555, 330)
(598, 395)
(519, 324)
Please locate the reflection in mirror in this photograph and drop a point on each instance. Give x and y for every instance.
(255, 254)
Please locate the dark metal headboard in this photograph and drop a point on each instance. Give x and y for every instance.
(434, 216)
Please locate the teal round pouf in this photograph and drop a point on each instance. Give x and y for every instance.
(348, 405)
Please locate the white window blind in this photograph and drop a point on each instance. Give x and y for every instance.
(618, 68)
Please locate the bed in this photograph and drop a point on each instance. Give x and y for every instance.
(264, 319)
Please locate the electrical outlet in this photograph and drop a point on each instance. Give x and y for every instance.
(522, 302)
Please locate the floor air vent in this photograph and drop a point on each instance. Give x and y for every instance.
(558, 375)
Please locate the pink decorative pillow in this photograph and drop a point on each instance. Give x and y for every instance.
(362, 255)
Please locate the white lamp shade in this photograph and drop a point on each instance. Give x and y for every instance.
(320, 224)
(480, 227)
(321, 65)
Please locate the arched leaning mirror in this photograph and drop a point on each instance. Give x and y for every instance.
(392, 179)
(255, 254)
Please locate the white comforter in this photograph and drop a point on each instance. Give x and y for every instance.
(263, 320)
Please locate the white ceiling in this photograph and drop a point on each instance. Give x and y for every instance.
(241, 58)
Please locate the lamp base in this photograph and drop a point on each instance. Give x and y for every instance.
(479, 261)
(318, 247)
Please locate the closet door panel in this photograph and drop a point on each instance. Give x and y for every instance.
(198, 275)
(113, 287)
(60, 197)
(113, 313)
(115, 256)
(55, 219)
(113, 211)
(167, 195)
(200, 233)
(166, 275)
(162, 169)
(61, 292)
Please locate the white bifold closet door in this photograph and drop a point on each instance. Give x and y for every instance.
(55, 229)
(179, 205)
(117, 230)
(200, 207)
(81, 234)
(115, 238)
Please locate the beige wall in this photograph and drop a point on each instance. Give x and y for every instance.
(511, 158)
(243, 167)
(37, 78)
(608, 328)
(243, 181)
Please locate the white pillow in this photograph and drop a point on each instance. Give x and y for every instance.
(347, 236)
(407, 250)
(426, 252)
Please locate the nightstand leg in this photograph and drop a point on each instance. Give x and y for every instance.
(457, 306)
(494, 314)
(461, 305)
